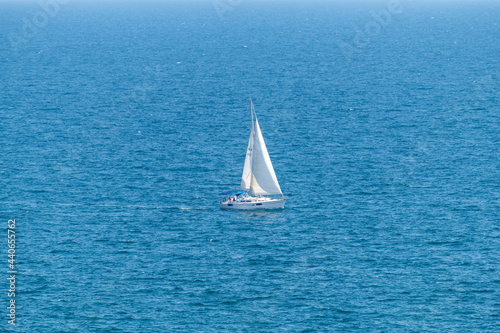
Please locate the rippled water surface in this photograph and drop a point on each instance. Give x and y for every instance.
(121, 123)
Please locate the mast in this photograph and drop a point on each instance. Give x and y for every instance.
(252, 134)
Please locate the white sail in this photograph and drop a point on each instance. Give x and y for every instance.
(263, 179)
(247, 168)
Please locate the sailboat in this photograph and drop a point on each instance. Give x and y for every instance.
(259, 187)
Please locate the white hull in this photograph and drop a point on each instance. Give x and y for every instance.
(254, 203)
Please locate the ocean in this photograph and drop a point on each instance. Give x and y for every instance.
(121, 122)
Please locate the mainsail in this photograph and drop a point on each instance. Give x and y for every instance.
(258, 172)
(246, 177)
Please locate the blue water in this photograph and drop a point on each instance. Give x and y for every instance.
(122, 122)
